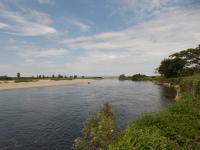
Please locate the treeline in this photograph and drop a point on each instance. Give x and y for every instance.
(136, 77)
(59, 76)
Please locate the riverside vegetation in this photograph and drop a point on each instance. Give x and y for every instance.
(175, 128)
(59, 77)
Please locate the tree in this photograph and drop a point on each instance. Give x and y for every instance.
(122, 77)
(138, 77)
(60, 76)
(18, 75)
(171, 67)
(98, 131)
(75, 76)
(190, 56)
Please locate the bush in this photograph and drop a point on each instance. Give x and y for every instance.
(148, 138)
(197, 92)
(98, 131)
(24, 80)
(122, 77)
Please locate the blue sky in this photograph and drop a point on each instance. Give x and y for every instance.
(94, 37)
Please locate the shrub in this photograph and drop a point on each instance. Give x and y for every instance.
(98, 131)
(147, 138)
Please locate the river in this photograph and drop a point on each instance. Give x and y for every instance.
(50, 118)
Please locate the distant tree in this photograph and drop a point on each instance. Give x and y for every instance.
(75, 76)
(18, 75)
(53, 76)
(43, 76)
(3, 78)
(138, 77)
(83, 77)
(60, 76)
(122, 77)
(98, 131)
(171, 67)
(40, 76)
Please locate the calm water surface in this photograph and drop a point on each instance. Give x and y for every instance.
(51, 118)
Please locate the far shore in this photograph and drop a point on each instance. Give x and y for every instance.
(41, 83)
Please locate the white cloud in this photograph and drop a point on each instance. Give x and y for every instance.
(140, 9)
(27, 22)
(142, 46)
(83, 27)
(29, 54)
(49, 2)
(169, 32)
(4, 26)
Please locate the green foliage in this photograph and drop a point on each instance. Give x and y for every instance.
(24, 80)
(122, 77)
(190, 56)
(134, 138)
(197, 92)
(186, 62)
(171, 67)
(174, 128)
(98, 131)
(59, 79)
(5, 78)
(138, 77)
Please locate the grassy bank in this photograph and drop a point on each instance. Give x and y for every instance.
(177, 127)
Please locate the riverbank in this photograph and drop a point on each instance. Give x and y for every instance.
(177, 127)
(169, 85)
(9, 85)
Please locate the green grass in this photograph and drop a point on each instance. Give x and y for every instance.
(58, 79)
(175, 128)
(25, 80)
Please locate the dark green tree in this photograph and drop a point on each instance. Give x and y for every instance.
(75, 76)
(60, 76)
(18, 75)
(138, 77)
(171, 67)
(98, 131)
(122, 77)
(191, 57)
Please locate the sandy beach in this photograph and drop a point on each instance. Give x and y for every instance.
(41, 83)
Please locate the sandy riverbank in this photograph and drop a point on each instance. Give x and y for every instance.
(41, 83)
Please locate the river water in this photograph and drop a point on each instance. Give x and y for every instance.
(50, 118)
